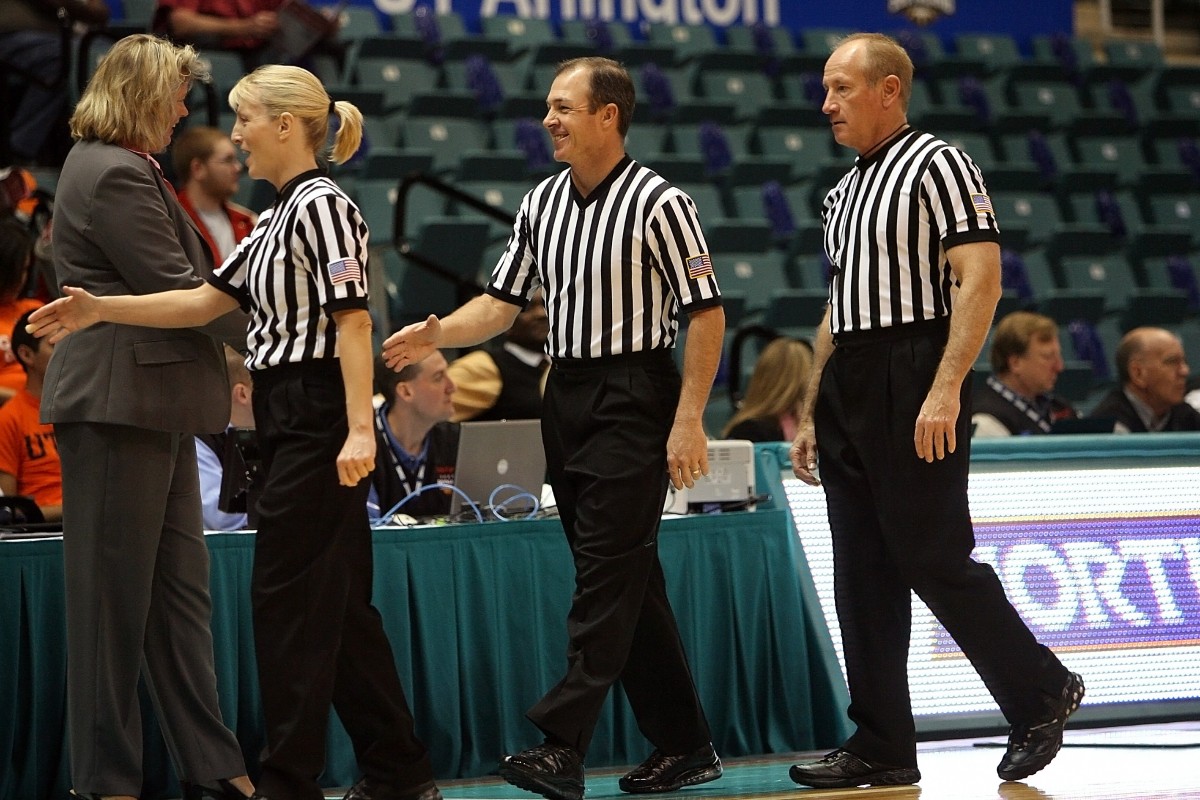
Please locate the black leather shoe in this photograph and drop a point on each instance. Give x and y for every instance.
(663, 773)
(842, 770)
(555, 771)
(371, 789)
(1032, 747)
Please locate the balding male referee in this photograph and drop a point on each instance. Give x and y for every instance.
(619, 252)
(914, 245)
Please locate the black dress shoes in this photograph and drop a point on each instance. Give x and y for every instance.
(842, 769)
(663, 773)
(555, 771)
(1032, 747)
(370, 789)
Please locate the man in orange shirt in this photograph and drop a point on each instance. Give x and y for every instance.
(207, 171)
(28, 452)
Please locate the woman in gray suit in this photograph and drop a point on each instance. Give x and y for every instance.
(126, 402)
(302, 274)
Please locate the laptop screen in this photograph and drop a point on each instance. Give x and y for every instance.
(501, 466)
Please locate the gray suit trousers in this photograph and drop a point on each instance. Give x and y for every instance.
(137, 603)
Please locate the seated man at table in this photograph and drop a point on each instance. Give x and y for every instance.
(1018, 398)
(29, 462)
(505, 380)
(416, 446)
(225, 477)
(1153, 371)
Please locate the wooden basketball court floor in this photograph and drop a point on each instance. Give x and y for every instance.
(1156, 762)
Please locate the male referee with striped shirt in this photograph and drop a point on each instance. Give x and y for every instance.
(619, 253)
(915, 252)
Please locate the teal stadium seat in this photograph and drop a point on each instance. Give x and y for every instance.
(450, 25)
(358, 22)
(445, 137)
(590, 33)
(708, 202)
(1058, 100)
(1179, 209)
(742, 37)
(976, 145)
(457, 246)
(503, 195)
(686, 140)
(647, 140)
(997, 52)
(1177, 87)
(730, 235)
(1036, 213)
(808, 148)
(686, 41)
(789, 309)
(1110, 273)
(522, 34)
(226, 69)
(755, 276)
(746, 90)
(1132, 58)
(376, 200)
(1122, 154)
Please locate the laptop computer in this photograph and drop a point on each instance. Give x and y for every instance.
(501, 453)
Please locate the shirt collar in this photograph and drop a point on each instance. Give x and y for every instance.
(1145, 414)
(864, 164)
(291, 185)
(532, 358)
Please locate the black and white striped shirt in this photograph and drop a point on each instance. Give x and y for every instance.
(888, 224)
(616, 267)
(305, 259)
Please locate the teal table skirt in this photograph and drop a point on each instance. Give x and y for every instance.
(476, 617)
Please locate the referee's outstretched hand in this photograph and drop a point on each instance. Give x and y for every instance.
(76, 309)
(412, 343)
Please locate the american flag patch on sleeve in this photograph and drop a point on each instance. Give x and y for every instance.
(344, 271)
(699, 266)
(982, 203)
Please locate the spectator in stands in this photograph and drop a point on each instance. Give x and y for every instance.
(1153, 372)
(416, 445)
(246, 27)
(31, 46)
(775, 393)
(505, 380)
(1018, 399)
(28, 452)
(207, 171)
(219, 459)
(16, 259)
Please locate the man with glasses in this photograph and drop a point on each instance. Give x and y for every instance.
(207, 171)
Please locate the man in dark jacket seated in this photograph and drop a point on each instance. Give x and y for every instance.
(1017, 399)
(415, 446)
(1153, 372)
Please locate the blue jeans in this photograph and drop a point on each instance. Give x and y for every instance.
(37, 54)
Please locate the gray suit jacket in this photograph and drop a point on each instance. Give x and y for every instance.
(118, 230)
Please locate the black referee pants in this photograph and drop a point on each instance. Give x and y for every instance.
(902, 524)
(317, 637)
(605, 425)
